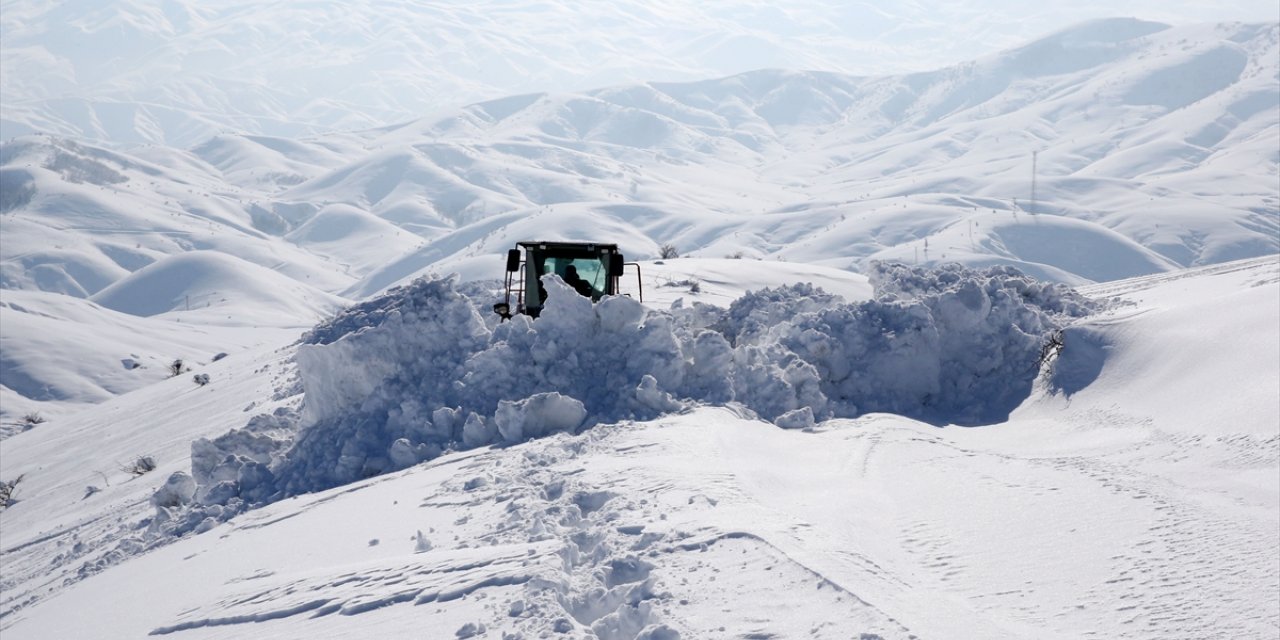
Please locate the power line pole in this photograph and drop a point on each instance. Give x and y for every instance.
(1032, 209)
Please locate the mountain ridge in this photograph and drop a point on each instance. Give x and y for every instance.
(1111, 147)
(806, 167)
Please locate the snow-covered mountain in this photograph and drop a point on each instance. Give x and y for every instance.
(180, 71)
(249, 372)
(1154, 148)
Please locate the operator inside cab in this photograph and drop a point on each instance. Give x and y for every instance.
(583, 274)
(574, 280)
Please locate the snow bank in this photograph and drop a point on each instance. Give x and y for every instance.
(404, 377)
(944, 345)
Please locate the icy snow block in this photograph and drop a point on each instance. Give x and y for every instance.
(658, 632)
(255, 481)
(650, 396)
(448, 422)
(565, 308)
(625, 571)
(964, 308)
(708, 371)
(178, 490)
(477, 432)
(220, 493)
(404, 454)
(538, 415)
(220, 459)
(620, 314)
(420, 332)
(801, 418)
(338, 376)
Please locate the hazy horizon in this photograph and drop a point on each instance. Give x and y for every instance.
(281, 69)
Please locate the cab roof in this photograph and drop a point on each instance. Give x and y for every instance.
(560, 245)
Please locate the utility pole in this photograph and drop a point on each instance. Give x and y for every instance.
(1032, 209)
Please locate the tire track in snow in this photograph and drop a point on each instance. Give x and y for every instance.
(1186, 574)
(440, 577)
(1184, 562)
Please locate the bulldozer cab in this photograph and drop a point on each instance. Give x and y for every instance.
(593, 270)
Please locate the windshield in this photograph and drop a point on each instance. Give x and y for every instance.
(590, 270)
(585, 272)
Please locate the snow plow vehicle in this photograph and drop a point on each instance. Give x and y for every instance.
(593, 270)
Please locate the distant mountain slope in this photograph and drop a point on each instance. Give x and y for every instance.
(59, 353)
(1158, 142)
(216, 285)
(178, 72)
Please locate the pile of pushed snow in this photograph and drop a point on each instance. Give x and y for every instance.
(405, 377)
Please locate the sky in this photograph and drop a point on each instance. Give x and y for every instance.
(318, 67)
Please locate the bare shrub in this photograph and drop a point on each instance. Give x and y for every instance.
(668, 251)
(7, 489)
(140, 466)
(695, 285)
(1051, 347)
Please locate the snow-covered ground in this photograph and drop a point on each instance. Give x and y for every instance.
(1132, 495)
(843, 411)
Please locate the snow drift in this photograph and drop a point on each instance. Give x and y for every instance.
(407, 376)
(215, 281)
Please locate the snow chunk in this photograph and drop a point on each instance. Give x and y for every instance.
(420, 543)
(651, 397)
(538, 415)
(178, 490)
(242, 458)
(658, 632)
(801, 418)
(469, 630)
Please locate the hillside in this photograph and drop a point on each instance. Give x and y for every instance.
(904, 348)
(1159, 142)
(814, 168)
(1146, 510)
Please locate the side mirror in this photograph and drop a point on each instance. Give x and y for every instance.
(616, 264)
(513, 260)
(503, 309)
